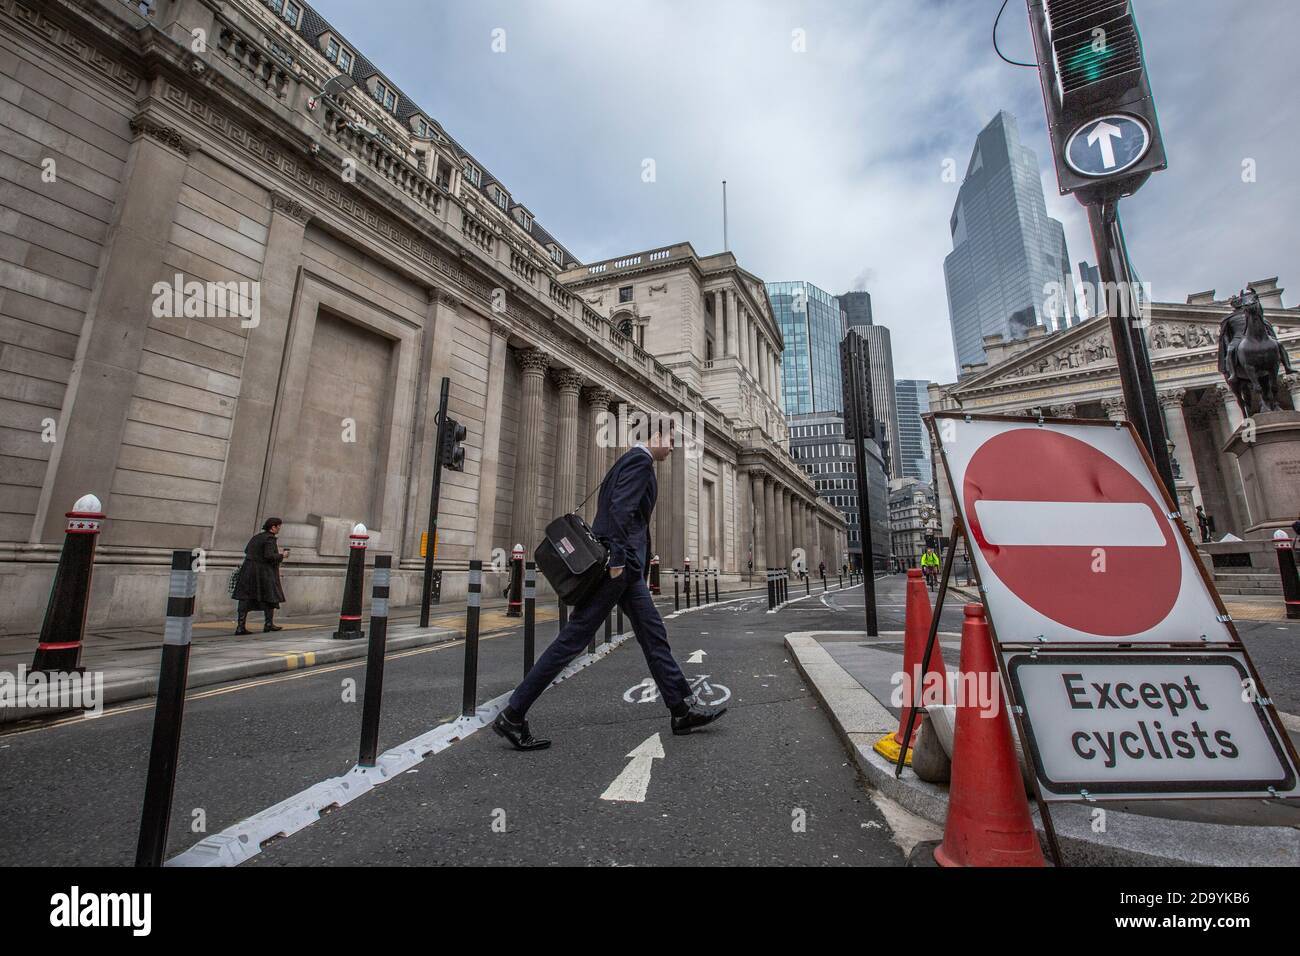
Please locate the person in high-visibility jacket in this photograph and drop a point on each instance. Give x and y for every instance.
(930, 567)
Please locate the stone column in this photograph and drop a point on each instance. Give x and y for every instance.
(534, 363)
(731, 323)
(769, 523)
(742, 332)
(569, 383)
(757, 497)
(1171, 404)
(250, 431)
(1227, 421)
(490, 464)
(792, 532)
(783, 524)
(102, 384)
(597, 406)
(1114, 409)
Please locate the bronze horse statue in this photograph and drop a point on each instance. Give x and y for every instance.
(1250, 355)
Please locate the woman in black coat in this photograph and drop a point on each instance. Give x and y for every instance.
(258, 585)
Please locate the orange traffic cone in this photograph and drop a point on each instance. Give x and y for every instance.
(988, 816)
(916, 631)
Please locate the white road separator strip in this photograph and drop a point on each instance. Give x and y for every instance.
(244, 840)
(1084, 524)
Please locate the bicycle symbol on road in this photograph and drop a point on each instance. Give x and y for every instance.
(646, 691)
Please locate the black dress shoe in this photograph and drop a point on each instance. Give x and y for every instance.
(697, 715)
(239, 631)
(520, 737)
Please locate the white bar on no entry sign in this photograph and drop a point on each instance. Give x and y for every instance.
(1083, 524)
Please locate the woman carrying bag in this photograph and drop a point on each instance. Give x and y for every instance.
(257, 587)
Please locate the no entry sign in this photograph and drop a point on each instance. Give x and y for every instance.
(1071, 536)
(1132, 726)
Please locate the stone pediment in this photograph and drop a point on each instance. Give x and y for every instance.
(1175, 331)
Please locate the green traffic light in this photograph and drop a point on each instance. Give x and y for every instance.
(1090, 59)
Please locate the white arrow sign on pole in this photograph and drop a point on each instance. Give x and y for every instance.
(696, 658)
(630, 785)
(1103, 132)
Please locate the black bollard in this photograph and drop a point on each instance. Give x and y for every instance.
(807, 588)
(654, 575)
(473, 605)
(59, 646)
(823, 582)
(771, 590)
(530, 614)
(169, 709)
(374, 691)
(516, 601)
(353, 584)
(677, 600)
(1290, 579)
(841, 580)
(686, 581)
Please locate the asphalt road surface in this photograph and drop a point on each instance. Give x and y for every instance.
(768, 784)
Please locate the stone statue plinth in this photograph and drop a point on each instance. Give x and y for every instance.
(1270, 470)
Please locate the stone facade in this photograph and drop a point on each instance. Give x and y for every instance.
(1072, 374)
(380, 259)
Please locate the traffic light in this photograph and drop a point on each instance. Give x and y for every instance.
(1100, 115)
(453, 455)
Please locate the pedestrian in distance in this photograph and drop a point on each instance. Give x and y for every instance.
(258, 587)
(930, 568)
(624, 506)
(1203, 523)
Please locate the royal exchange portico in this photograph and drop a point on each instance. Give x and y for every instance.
(1072, 374)
(383, 256)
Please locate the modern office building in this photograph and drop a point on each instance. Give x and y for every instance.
(876, 461)
(1009, 269)
(856, 307)
(812, 325)
(912, 451)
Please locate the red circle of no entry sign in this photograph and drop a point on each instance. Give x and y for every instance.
(1071, 532)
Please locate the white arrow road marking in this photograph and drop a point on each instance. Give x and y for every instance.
(1092, 524)
(696, 658)
(1103, 133)
(630, 785)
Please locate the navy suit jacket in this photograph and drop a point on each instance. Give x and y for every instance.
(623, 509)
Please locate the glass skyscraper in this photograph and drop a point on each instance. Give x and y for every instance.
(1009, 268)
(812, 326)
(912, 400)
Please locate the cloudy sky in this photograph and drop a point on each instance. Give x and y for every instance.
(834, 154)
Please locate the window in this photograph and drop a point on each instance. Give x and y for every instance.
(526, 221)
(557, 256)
(345, 60)
(502, 200)
(289, 11)
(625, 294)
(472, 173)
(385, 96)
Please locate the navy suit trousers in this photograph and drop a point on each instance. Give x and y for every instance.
(628, 591)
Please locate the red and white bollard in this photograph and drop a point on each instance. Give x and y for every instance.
(1286, 567)
(353, 586)
(654, 575)
(59, 648)
(516, 602)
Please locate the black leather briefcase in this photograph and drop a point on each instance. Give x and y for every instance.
(572, 559)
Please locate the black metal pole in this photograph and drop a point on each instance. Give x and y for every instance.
(929, 650)
(1128, 336)
(1290, 580)
(169, 709)
(860, 432)
(771, 590)
(530, 614)
(426, 589)
(677, 602)
(374, 692)
(473, 604)
(354, 584)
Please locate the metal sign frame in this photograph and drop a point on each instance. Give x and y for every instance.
(1097, 649)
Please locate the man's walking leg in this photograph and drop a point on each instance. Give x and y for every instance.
(568, 644)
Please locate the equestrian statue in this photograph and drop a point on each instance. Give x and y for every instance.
(1250, 355)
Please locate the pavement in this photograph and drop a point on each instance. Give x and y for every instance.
(127, 659)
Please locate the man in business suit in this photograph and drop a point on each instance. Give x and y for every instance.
(626, 501)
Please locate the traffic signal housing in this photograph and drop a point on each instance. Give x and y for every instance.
(453, 454)
(1095, 88)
